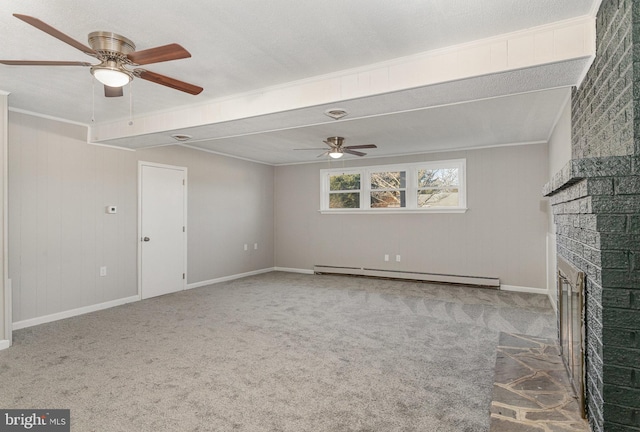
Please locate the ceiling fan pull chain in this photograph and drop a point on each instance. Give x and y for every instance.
(131, 103)
(93, 100)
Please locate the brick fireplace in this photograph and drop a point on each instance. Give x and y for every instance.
(596, 205)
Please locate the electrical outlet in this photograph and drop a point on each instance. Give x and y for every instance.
(255, 246)
(386, 257)
(103, 271)
(246, 246)
(397, 258)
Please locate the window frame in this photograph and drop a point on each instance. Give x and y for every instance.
(411, 187)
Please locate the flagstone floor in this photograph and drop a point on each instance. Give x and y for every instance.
(531, 391)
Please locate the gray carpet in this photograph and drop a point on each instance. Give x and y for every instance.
(276, 352)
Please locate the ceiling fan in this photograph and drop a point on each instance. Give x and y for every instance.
(337, 149)
(116, 54)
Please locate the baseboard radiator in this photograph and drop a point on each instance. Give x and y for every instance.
(488, 282)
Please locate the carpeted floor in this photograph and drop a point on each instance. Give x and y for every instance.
(276, 352)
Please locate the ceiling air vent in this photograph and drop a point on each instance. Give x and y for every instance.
(336, 113)
(181, 137)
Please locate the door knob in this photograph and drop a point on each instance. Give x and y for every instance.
(146, 239)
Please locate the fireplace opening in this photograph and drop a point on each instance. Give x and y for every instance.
(571, 326)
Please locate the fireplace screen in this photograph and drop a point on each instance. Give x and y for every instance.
(571, 325)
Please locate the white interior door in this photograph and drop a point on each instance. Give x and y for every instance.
(162, 229)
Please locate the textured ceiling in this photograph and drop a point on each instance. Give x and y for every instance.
(459, 126)
(242, 46)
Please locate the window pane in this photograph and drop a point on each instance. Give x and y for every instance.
(438, 198)
(344, 200)
(388, 199)
(344, 182)
(437, 177)
(389, 180)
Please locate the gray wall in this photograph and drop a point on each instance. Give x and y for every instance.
(60, 235)
(501, 235)
(560, 141)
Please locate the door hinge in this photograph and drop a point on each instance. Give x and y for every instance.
(182, 182)
(182, 275)
(183, 230)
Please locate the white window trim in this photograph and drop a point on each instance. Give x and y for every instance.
(411, 188)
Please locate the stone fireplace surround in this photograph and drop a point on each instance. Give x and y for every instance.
(595, 200)
(596, 207)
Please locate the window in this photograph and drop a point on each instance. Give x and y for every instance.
(388, 189)
(416, 187)
(344, 191)
(438, 187)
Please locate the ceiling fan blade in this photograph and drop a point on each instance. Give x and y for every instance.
(159, 54)
(56, 34)
(362, 146)
(315, 148)
(43, 63)
(353, 152)
(167, 81)
(330, 144)
(113, 91)
(324, 154)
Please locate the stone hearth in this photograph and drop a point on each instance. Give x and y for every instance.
(531, 390)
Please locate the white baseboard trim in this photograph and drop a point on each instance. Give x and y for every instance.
(409, 275)
(531, 290)
(228, 278)
(293, 270)
(73, 312)
(4, 344)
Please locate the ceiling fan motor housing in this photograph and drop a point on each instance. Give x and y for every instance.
(111, 45)
(336, 141)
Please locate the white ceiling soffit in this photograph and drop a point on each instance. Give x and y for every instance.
(253, 138)
(531, 49)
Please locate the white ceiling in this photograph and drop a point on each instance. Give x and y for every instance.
(243, 46)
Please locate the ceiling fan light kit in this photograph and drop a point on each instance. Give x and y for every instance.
(110, 74)
(336, 153)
